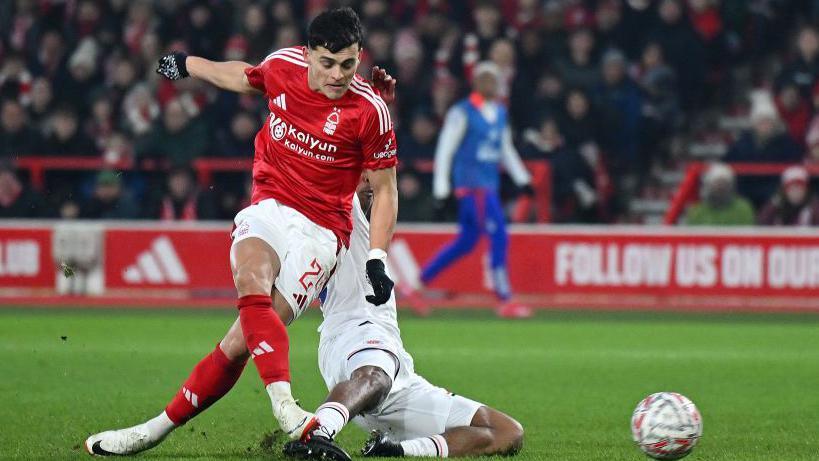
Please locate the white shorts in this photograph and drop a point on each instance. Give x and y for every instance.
(307, 251)
(414, 407)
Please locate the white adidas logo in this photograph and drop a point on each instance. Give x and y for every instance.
(191, 397)
(279, 101)
(158, 264)
(262, 348)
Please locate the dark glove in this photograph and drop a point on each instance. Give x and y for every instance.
(526, 190)
(382, 285)
(172, 66)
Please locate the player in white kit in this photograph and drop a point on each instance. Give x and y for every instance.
(371, 376)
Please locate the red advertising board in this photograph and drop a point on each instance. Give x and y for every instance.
(549, 266)
(25, 258)
(167, 258)
(662, 263)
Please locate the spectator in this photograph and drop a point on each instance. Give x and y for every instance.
(661, 106)
(16, 136)
(42, 101)
(83, 76)
(574, 194)
(108, 201)
(683, 49)
(766, 141)
(578, 125)
(182, 200)
(178, 138)
(620, 98)
(17, 200)
(413, 204)
(720, 204)
(238, 141)
(610, 28)
(803, 70)
(794, 110)
(578, 67)
(546, 101)
(65, 137)
(257, 31)
(419, 142)
(793, 204)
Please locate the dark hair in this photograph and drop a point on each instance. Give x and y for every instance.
(335, 29)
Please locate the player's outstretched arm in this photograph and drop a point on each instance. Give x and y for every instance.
(383, 215)
(227, 75)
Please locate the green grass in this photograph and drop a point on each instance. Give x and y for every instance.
(572, 380)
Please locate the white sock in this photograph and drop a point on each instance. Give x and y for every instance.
(332, 416)
(426, 446)
(278, 391)
(160, 426)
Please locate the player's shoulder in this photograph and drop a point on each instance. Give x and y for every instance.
(370, 102)
(286, 57)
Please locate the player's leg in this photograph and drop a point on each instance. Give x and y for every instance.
(210, 380)
(371, 374)
(468, 234)
(255, 267)
(489, 432)
(495, 228)
(364, 391)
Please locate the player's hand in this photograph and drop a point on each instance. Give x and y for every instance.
(382, 285)
(384, 83)
(172, 66)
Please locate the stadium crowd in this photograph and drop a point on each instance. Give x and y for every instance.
(608, 92)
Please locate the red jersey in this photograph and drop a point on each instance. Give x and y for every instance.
(311, 151)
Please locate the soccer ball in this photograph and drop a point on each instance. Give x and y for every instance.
(666, 425)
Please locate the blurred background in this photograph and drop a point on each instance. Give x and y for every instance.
(691, 112)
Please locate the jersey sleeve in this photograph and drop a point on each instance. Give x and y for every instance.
(258, 75)
(377, 136)
(265, 75)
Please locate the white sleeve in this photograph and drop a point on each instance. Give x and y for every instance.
(512, 162)
(451, 135)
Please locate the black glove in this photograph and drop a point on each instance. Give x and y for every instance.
(382, 285)
(526, 190)
(172, 66)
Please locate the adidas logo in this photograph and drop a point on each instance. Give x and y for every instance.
(158, 264)
(279, 101)
(191, 397)
(262, 348)
(301, 299)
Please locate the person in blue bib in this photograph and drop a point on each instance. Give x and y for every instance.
(474, 142)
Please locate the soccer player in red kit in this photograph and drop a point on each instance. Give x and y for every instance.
(326, 126)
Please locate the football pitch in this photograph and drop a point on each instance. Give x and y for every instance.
(571, 379)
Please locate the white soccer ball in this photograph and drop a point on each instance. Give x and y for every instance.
(666, 425)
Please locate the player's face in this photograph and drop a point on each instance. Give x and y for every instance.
(331, 73)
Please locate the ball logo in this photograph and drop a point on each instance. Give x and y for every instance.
(278, 129)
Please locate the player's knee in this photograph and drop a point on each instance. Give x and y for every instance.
(506, 432)
(509, 437)
(374, 380)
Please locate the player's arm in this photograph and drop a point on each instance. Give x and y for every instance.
(513, 164)
(383, 214)
(228, 75)
(384, 211)
(450, 138)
